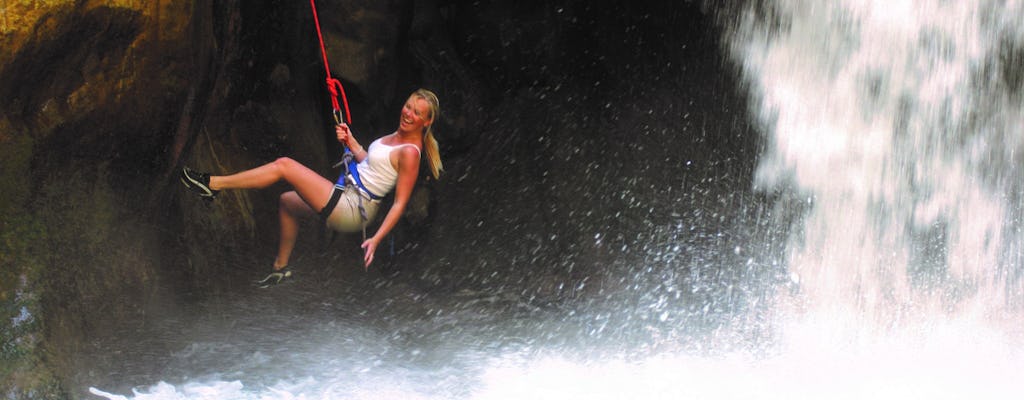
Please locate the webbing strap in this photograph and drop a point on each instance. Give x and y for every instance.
(353, 171)
(331, 203)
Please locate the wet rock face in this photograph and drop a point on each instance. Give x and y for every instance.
(74, 111)
(100, 101)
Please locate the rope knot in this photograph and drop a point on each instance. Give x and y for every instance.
(333, 85)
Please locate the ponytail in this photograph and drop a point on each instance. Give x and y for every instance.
(429, 142)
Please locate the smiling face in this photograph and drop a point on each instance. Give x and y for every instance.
(416, 115)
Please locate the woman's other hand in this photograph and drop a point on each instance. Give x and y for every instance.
(369, 247)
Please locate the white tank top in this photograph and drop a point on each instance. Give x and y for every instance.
(376, 172)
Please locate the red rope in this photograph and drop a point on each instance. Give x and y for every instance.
(333, 85)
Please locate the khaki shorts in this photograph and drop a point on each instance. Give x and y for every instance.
(345, 217)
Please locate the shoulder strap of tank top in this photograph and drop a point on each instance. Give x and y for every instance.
(407, 144)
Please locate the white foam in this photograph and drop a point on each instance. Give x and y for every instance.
(820, 357)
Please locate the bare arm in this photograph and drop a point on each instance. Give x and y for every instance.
(408, 169)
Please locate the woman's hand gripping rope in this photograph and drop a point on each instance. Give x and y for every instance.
(342, 131)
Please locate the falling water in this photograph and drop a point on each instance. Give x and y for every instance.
(893, 128)
(899, 124)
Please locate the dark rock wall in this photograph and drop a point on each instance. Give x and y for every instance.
(100, 102)
(571, 134)
(89, 93)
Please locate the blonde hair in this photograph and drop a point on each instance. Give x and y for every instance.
(429, 142)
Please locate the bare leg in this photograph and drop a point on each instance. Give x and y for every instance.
(311, 193)
(291, 208)
(312, 187)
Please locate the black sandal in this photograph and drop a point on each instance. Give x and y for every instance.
(198, 182)
(275, 277)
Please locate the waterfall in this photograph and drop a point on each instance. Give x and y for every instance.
(898, 125)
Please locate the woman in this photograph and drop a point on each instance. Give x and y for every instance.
(390, 162)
